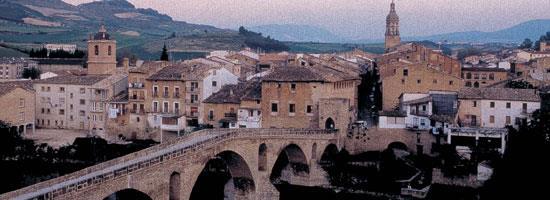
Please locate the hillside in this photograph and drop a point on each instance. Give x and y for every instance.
(297, 33)
(30, 23)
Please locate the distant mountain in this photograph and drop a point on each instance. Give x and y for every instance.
(531, 29)
(297, 33)
(29, 23)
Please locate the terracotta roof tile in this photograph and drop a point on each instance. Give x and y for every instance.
(500, 94)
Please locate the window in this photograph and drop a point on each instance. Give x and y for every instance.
(176, 92)
(418, 81)
(492, 119)
(292, 108)
(43, 110)
(491, 76)
(176, 107)
(82, 91)
(71, 106)
(194, 98)
(71, 95)
(48, 89)
(468, 75)
(82, 113)
(165, 94)
(402, 81)
(61, 89)
(475, 103)
(434, 81)
(405, 72)
(524, 107)
(492, 104)
(451, 83)
(468, 84)
(96, 50)
(278, 85)
(62, 100)
(155, 106)
(211, 115)
(508, 120)
(476, 76)
(293, 87)
(214, 83)
(165, 107)
(61, 111)
(109, 50)
(155, 91)
(309, 109)
(274, 107)
(21, 102)
(82, 102)
(508, 105)
(423, 107)
(22, 116)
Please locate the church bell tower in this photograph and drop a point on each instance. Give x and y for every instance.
(101, 53)
(392, 39)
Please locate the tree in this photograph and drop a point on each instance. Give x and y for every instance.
(527, 44)
(164, 54)
(520, 84)
(32, 73)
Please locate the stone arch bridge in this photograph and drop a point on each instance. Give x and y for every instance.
(253, 159)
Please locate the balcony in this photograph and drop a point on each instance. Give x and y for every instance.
(192, 114)
(230, 115)
(165, 95)
(136, 85)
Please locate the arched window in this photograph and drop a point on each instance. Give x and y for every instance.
(175, 186)
(262, 157)
(109, 50)
(468, 84)
(476, 84)
(96, 50)
(491, 76)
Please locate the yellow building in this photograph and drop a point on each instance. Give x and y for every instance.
(17, 100)
(101, 53)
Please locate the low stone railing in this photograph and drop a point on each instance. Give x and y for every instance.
(150, 157)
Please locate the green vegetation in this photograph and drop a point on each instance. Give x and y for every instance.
(527, 44)
(164, 54)
(32, 73)
(257, 41)
(523, 170)
(463, 53)
(315, 47)
(521, 84)
(542, 38)
(43, 53)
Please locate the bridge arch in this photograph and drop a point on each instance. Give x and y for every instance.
(262, 157)
(329, 154)
(225, 176)
(291, 161)
(128, 194)
(398, 145)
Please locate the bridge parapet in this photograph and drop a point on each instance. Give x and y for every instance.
(150, 157)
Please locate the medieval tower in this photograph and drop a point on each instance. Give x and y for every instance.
(392, 29)
(101, 53)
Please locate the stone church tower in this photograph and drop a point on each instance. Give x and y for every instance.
(392, 29)
(101, 53)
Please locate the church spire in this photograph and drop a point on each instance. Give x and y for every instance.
(392, 28)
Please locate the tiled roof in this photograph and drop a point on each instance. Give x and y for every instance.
(250, 90)
(499, 94)
(293, 74)
(173, 72)
(7, 87)
(73, 80)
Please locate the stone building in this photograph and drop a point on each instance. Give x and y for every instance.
(12, 68)
(411, 53)
(18, 106)
(481, 77)
(393, 38)
(416, 78)
(101, 53)
(77, 102)
(496, 107)
(309, 97)
(173, 102)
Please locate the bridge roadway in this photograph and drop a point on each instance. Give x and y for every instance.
(103, 172)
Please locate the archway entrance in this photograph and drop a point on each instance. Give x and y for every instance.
(128, 194)
(329, 155)
(226, 176)
(329, 124)
(291, 164)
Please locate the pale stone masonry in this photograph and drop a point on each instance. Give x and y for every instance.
(17, 103)
(77, 102)
(12, 68)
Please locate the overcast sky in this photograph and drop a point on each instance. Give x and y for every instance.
(359, 19)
